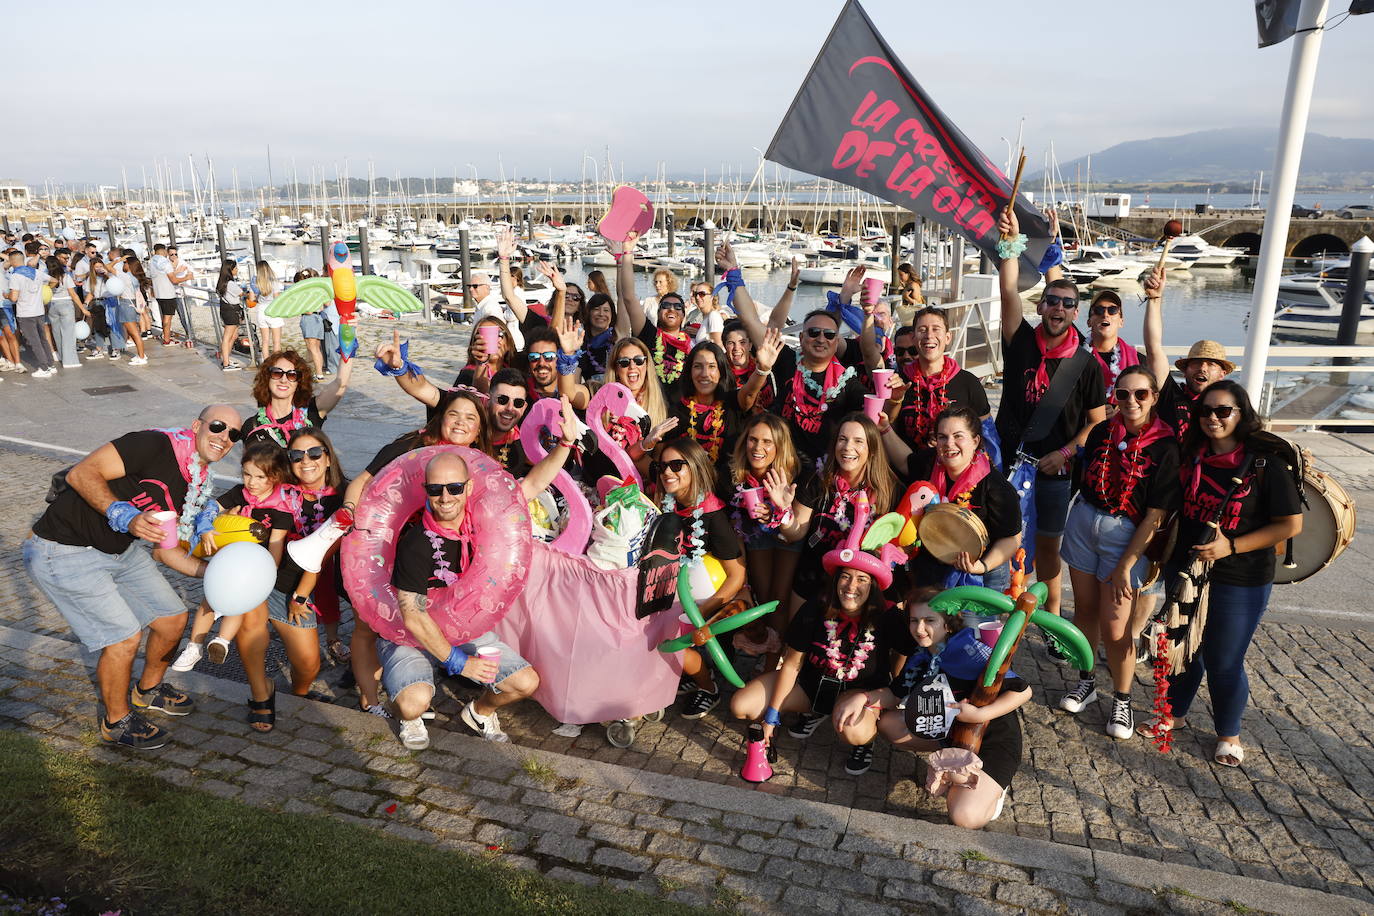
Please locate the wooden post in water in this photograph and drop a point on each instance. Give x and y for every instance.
(51, 231)
(466, 267)
(324, 245)
(670, 224)
(171, 234)
(709, 240)
(1356, 282)
(362, 247)
(257, 243)
(895, 256)
(956, 271)
(148, 236)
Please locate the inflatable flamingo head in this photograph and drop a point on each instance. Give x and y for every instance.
(868, 549)
(617, 399)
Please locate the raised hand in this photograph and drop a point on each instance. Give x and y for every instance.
(1154, 283)
(570, 336)
(725, 257)
(505, 243)
(1008, 226)
(658, 432)
(390, 353)
(551, 273)
(852, 281)
(780, 490)
(796, 271)
(766, 354)
(1052, 215)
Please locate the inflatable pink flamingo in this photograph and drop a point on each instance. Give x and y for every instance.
(547, 416)
(620, 402)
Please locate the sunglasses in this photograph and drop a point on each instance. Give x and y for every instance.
(575, 297)
(1222, 411)
(454, 488)
(624, 361)
(907, 351)
(290, 375)
(674, 304)
(676, 465)
(1067, 302)
(315, 452)
(1098, 310)
(813, 333)
(698, 293)
(218, 426)
(504, 399)
(475, 285)
(1140, 394)
(546, 355)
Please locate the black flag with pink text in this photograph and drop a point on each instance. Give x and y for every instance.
(861, 119)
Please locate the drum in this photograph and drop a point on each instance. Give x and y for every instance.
(947, 530)
(1328, 527)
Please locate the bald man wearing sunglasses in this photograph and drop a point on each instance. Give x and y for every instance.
(84, 554)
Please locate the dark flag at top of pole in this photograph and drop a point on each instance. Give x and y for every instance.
(861, 119)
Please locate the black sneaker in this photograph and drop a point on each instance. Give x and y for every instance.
(699, 704)
(860, 759)
(1121, 725)
(806, 725)
(163, 698)
(133, 731)
(1052, 648)
(1079, 696)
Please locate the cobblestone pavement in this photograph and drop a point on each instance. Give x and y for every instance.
(1295, 815)
(594, 823)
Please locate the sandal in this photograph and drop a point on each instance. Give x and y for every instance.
(1156, 727)
(1228, 749)
(339, 652)
(263, 712)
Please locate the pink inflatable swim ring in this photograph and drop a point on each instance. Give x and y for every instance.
(500, 558)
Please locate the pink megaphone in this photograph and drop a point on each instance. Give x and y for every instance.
(756, 766)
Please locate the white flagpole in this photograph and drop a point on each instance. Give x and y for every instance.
(1302, 72)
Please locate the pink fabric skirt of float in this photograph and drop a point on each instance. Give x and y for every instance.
(575, 623)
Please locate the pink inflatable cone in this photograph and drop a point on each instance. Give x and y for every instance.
(756, 767)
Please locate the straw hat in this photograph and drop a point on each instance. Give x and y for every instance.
(1206, 349)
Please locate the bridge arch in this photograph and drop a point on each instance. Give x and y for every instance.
(793, 225)
(830, 225)
(725, 222)
(908, 228)
(695, 222)
(568, 219)
(1318, 244)
(754, 224)
(1250, 241)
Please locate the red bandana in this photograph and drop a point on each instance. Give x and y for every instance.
(802, 407)
(1039, 383)
(1123, 356)
(959, 491)
(1120, 464)
(927, 399)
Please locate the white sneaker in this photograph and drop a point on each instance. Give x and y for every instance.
(1078, 698)
(43, 373)
(17, 367)
(217, 650)
(1001, 800)
(414, 735)
(5, 365)
(138, 361)
(189, 657)
(129, 345)
(115, 354)
(1121, 725)
(489, 727)
(71, 365)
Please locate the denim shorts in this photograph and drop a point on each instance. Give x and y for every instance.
(105, 598)
(402, 665)
(276, 610)
(767, 539)
(1094, 542)
(127, 313)
(1051, 505)
(7, 318)
(312, 326)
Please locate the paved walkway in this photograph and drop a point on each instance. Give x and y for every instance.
(1295, 817)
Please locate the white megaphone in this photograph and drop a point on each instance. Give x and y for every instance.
(310, 550)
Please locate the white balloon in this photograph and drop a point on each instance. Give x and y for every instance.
(116, 286)
(69, 233)
(239, 577)
(83, 330)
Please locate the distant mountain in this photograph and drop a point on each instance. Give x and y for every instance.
(1229, 154)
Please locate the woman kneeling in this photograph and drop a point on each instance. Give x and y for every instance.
(933, 691)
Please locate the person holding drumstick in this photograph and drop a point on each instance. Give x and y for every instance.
(1225, 442)
(962, 474)
(1127, 483)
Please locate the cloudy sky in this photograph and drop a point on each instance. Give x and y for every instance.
(425, 86)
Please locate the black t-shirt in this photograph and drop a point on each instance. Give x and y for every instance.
(831, 519)
(314, 513)
(152, 481)
(1102, 465)
(808, 635)
(416, 569)
(512, 456)
(1265, 493)
(814, 426)
(271, 519)
(992, 499)
(1021, 358)
(667, 546)
(1176, 406)
(669, 361)
(593, 362)
(256, 430)
(915, 422)
(407, 442)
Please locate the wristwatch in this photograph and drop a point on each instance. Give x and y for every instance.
(301, 599)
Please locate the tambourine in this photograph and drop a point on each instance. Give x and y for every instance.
(947, 530)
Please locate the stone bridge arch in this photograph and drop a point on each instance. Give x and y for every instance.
(1250, 241)
(1320, 243)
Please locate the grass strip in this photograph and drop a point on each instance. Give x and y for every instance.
(109, 837)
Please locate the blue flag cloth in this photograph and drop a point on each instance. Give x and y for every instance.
(1022, 478)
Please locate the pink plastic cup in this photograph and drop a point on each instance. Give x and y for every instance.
(491, 338)
(873, 406)
(989, 631)
(873, 288)
(880, 379)
(168, 520)
(753, 497)
(490, 654)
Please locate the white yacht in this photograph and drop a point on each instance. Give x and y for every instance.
(1196, 251)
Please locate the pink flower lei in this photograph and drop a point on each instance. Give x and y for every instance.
(834, 656)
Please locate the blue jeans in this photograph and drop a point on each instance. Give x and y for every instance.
(331, 339)
(105, 598)
(116, 338)
(1233, 615)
